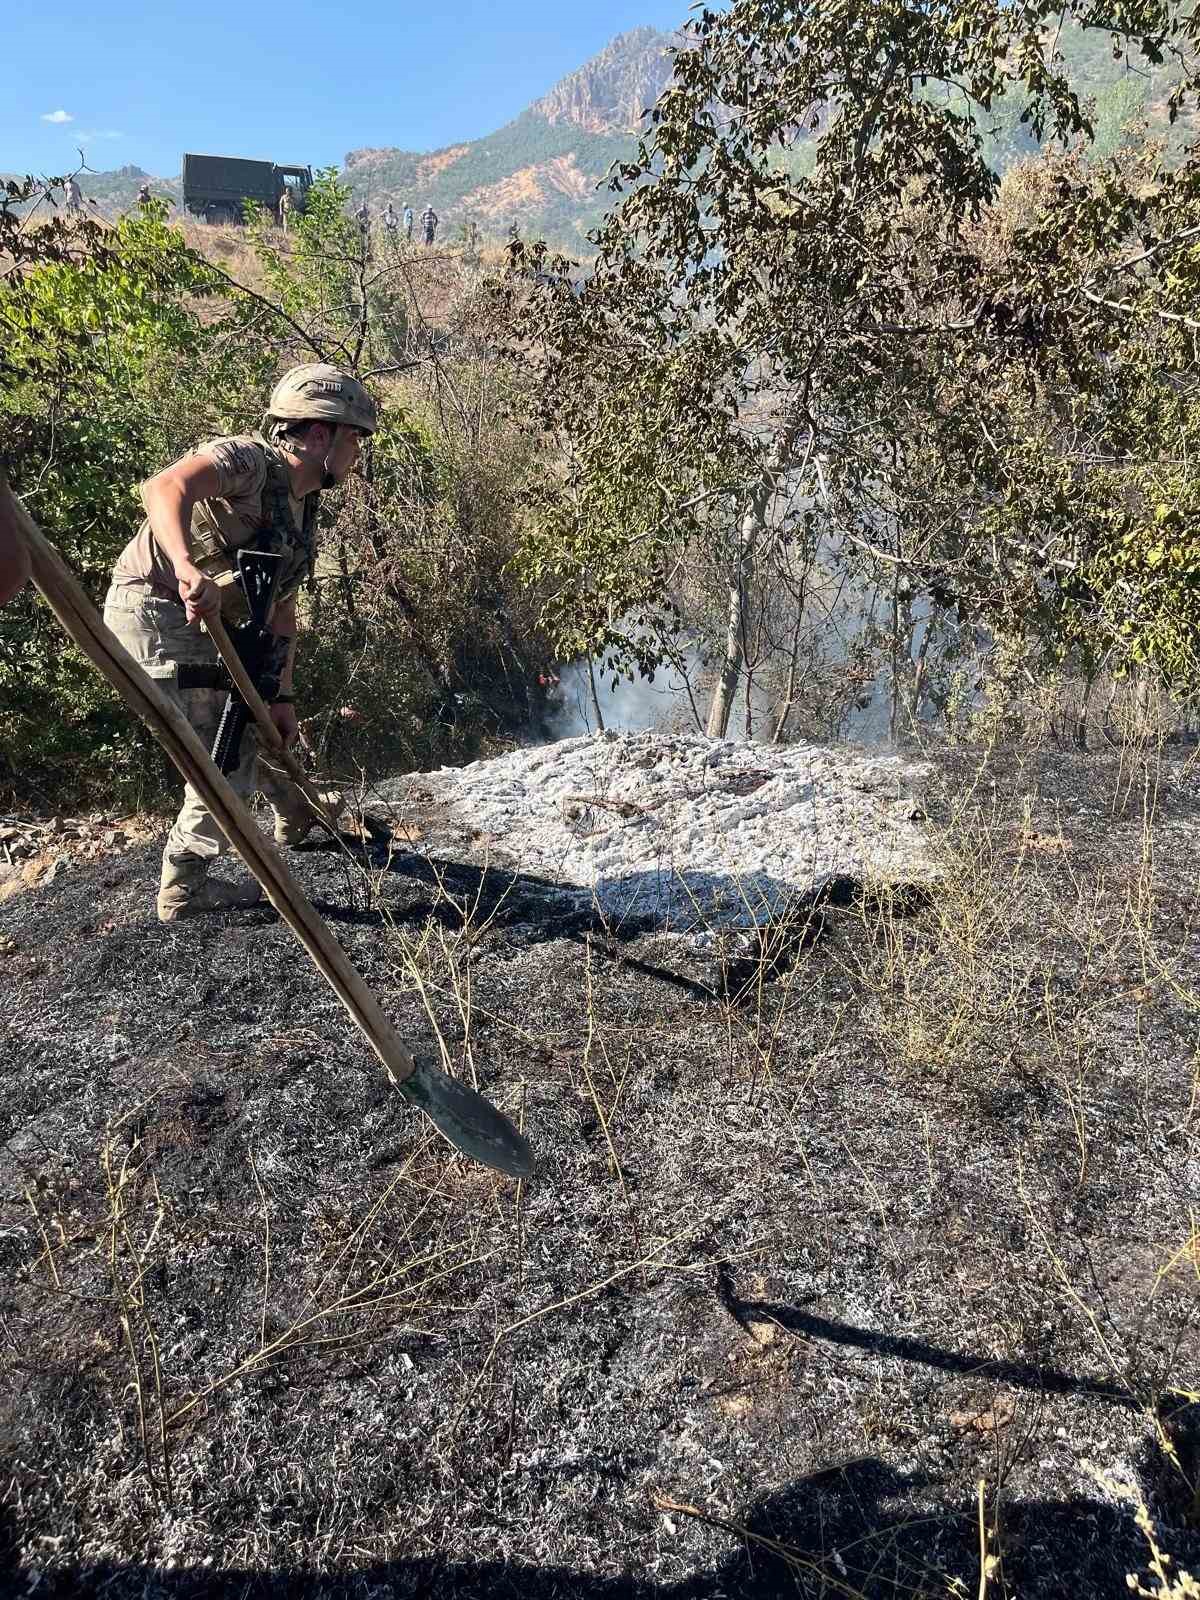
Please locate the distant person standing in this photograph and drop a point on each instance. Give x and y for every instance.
(391, 223)
(429, 222)
(285, 209)
(143, 195)
(363, 217)
(408, 224)
(514, 233)
(74, 198)
(473, 239)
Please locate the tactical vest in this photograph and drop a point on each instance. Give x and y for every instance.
(214, 538)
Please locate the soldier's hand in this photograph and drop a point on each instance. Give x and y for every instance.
(287, 725)
(200, 595)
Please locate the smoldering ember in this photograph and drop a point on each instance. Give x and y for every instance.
(822, 1233)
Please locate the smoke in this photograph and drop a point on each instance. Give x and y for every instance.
(674, 701)
(629, 705)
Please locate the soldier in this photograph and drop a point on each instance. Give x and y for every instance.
(391, 222)
(256, 489)
(408, 223)
(363, 215)
(74, 198)
(429, 222)
(143, 195)
(285, 209)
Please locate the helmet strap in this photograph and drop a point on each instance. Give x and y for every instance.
(329, 481)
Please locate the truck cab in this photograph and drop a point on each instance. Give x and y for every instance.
(296, 181)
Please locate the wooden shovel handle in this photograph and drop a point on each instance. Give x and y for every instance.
(256, 706)
(267, 730)
(66, 598)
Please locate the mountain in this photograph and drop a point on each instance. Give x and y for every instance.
(542, 171)
(611, 92)
(110, 193)
(545, 171)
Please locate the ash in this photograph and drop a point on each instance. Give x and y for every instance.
(804, 1259)
(679, 833)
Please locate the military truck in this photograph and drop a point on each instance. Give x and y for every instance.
(217, 187)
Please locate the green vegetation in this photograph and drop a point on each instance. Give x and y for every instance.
(130, 348)
(844, 366)
(880, 366)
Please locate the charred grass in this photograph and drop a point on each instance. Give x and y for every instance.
(873, 1272)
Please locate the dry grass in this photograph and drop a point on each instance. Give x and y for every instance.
(810, 1255)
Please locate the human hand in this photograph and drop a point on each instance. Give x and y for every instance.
(287, 724)
(200, 595)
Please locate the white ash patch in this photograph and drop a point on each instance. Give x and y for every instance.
(682, 831)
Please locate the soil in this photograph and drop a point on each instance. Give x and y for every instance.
(814, 1245)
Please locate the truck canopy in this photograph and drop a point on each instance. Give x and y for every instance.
(230, 175)
(216, 186)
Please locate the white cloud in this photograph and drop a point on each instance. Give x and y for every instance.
(57, 116)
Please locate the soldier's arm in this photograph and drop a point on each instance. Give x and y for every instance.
(284, 625)
(169, 497)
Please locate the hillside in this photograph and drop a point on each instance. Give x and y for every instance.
(545, 170)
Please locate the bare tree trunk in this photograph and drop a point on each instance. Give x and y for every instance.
(894, 714)
(784, 708)
(1143, 706)
(731, 666)
(596, 711)
(921, 666)
(1081, 716)
(754, 521)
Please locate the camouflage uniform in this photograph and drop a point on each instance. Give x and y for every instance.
(253, 506)
(143, 609)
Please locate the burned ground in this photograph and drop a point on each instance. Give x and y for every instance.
(806, 1256)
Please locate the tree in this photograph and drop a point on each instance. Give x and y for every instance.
(769, 346)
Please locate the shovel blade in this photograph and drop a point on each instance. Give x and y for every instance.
(471, 1123)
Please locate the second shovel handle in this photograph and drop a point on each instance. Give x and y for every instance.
(257, 708)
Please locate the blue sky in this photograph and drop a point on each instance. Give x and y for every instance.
(297, 81)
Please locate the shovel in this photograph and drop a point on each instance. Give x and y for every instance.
(463, 1117)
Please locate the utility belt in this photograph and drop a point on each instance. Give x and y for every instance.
(219, 570)
(141, 589)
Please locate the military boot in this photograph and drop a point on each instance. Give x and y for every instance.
(186, 890)
(296, 819)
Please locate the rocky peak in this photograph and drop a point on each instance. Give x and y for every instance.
(609, 93)
(368, 155)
